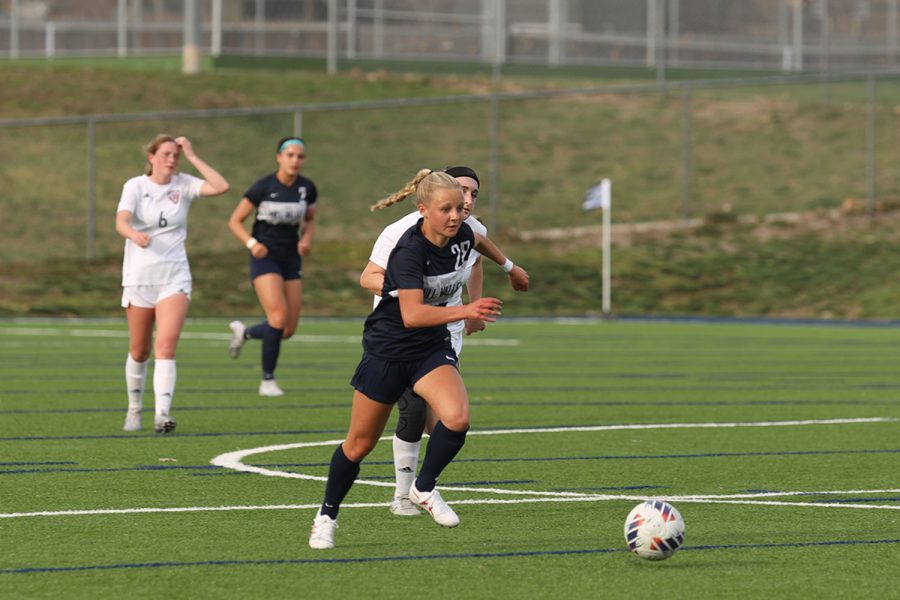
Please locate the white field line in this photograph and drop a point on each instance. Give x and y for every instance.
(470, 501)
(232, 460)
(197, 335)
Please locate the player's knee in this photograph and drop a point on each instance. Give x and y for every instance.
(165, 348)
(139, 354)
(357, 448)
(457, 422)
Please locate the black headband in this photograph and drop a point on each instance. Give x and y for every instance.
(462, 172)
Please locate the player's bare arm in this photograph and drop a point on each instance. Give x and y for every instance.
(416, 313)
(372, 278)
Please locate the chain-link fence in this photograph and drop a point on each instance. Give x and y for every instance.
(789, 35)
(673, 152)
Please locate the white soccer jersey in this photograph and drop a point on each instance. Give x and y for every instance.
(388, 238)
(160, 211)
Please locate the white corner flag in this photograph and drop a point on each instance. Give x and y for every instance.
(598, 196)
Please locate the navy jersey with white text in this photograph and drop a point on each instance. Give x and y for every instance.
(416, 263)
(280, 210)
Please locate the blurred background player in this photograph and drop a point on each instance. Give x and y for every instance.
(406, 344)
(413, 416)
(156, 277)
(285, 205)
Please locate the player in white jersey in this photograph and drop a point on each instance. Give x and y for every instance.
(411, 408)
(152, 216)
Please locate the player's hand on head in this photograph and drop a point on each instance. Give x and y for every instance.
(185, 144)
(518, 278)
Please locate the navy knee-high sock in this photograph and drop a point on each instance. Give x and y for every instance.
(256, 332)
(443, 446)
(341, 476)
(271, 348)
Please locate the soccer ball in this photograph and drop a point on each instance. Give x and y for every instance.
(654, 530)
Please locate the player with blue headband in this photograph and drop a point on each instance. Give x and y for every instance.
(285, 206)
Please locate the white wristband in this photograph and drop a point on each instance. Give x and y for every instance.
(251, 242)
(507, 266)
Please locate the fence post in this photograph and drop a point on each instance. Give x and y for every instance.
(216, 29)
(298, 123)
(870, 143)
(556, 31)
(797, 35)
(332, 42)
(674, 11)
(378, 29)
(259, 24)
(892, 30)
(351, 29)
(122, 28)
(494, 128)
(650, 29)
(91, 192)
(190, 52)
(686, 153)
(825, 59)
(499, 32)
(50, 39)
(14, 29)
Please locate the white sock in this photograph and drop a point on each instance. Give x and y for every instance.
(135, 376)
(406, 460)
(163, 384)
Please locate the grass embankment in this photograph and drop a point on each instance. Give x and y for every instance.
(754, 150)
(794, 271)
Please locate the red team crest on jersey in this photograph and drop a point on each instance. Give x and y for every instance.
(174, 196)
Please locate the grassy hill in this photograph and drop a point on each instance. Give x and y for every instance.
(756, 150)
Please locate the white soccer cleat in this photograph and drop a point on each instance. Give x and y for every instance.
(322, 535)
(268, 387)
(237, 338)
(163, 423)
(402, 506)
(132, 420)
(432, 502)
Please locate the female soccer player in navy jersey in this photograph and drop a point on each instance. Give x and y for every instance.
(156, 277)
(285, 205)
(412, 413)
(406, 344)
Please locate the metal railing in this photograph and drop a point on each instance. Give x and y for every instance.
(786, 35)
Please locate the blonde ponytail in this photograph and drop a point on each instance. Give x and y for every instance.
(407, 190)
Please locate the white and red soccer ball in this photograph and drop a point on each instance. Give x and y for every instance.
(654, 530)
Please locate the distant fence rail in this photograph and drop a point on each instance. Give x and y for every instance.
(787, 35)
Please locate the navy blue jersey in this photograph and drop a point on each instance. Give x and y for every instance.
(416, 263)
(280, 210)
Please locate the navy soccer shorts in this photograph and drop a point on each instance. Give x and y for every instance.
(385, 380)
(288, 265)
